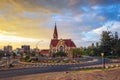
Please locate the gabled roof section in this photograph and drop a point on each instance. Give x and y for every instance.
(68, 42)
(46, 51)
(54, 42)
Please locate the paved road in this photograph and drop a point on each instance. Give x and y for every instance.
(42, 68)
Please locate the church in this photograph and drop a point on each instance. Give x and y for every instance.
(60, 45)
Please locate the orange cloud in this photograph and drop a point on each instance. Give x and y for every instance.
(18, 29)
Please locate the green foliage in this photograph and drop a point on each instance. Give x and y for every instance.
(107, 41)
(110, 45)
(10, 65)
(59, 54)
(112, 57)
(64, 61)
(76, 52)
(90, 51)
(27, 58)
(34, 59)
(22, 59)
(14, 54)
(1, 54)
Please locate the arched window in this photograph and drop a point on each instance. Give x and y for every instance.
(61, 48)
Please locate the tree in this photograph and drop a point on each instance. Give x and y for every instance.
(32, 53)
(76, 52)
(90, 51)
(116, 45)
(14, 54)
(97, 44)
(110, 43)
(1, 54)
(107, 42)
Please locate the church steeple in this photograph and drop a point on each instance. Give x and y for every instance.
(55, 34)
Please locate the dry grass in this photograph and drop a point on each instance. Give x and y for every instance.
(113, 74)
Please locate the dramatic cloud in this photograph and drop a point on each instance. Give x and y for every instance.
(31, 21)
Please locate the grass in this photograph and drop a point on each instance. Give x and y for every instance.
(92, 70)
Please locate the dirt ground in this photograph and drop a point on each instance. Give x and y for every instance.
(113, 74)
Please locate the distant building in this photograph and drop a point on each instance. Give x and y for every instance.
(45, 52)
(60, 45)
(26, 48)
(19, 50)
(8, 48)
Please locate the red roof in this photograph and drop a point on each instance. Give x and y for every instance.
(54, 42)
(68, 42)
(44, 51)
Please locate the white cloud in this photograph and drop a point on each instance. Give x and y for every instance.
(112, 26)
(99, 30)
(7, 33)
(116, 27)
(78, 18)
(5, 38)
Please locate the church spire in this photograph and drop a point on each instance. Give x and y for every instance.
(55, 34)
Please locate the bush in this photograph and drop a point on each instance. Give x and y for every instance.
(61, 54)
(22, 59)
(63, 62)
(111, 57)
(35, 59)
(10, 65)
(27, 58)
(32, 59)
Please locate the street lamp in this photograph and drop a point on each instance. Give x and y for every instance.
(103, 60)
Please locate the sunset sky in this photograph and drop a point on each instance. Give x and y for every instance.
(31, 22)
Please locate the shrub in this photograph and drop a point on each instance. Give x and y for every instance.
(111, 57)
(35, 59)
(10, 65)
(27, 58)
(61, 54)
